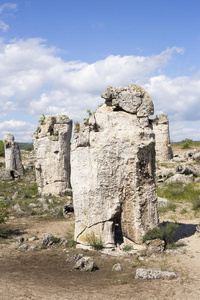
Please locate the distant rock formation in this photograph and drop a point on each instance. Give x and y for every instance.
(113, 170)
(12, 155)
(161, 130)
(52, 150)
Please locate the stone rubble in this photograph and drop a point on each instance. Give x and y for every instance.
(154, 274)
(180, 178)
(85, 264)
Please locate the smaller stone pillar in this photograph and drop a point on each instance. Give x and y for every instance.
(52, 151)
(12, 154)
(160, 128)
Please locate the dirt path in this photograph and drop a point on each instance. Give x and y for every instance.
(44, 274)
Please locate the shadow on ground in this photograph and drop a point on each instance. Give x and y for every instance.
(8, 233)
(184, 230)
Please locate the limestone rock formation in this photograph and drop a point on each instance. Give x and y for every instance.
(52, 150)
(154, 274)
(161, 130)
(113, 170)
(180, 178)
(12, 155)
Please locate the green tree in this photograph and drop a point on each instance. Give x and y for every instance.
(186, 143)
(2, 150)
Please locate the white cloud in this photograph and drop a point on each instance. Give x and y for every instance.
(6, 6)
(3, 26)
(20, 129)
(34, 79)
(10, 6)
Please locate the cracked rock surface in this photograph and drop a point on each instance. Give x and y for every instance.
(113, 170)
(52, 150)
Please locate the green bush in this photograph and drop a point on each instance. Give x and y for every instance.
(169, 230)
(186, 144)
(166, 232)
(2, 150)
(3, 211)
(153, 234)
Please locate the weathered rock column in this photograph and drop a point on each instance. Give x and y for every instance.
(113, 170)
(12, 155)
(52, 150)
(161, 130)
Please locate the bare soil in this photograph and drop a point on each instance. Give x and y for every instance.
(45, 274)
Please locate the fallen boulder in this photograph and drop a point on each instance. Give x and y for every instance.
(154, 274)
(180, 178)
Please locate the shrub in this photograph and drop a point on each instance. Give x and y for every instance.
(3, 211)
(94, 241)
(41, 120)
(153, 234)
(186, 144)
(77, 126)
(165, 232)
(71, 243)
(2, 150)
(86, 120)
(169, 230)
(55, 240)
(128, 248)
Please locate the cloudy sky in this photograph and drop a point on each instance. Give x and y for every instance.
(57, 57)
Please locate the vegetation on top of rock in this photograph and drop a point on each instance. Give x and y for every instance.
(42, 119)
(77, 126)
(86, 120)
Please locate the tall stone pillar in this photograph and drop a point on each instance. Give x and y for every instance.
(113, 170)
(161, 130)
(12, 155)
(52, 150)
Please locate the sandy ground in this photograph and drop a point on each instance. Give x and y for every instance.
(45, 274)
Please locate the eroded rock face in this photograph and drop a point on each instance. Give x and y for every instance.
(12, 155)
(52, 150)
(161, 130)
(113, 170)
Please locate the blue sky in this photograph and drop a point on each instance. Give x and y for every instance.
(58, 56)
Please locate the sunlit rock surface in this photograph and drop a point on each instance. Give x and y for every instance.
(113, 170)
